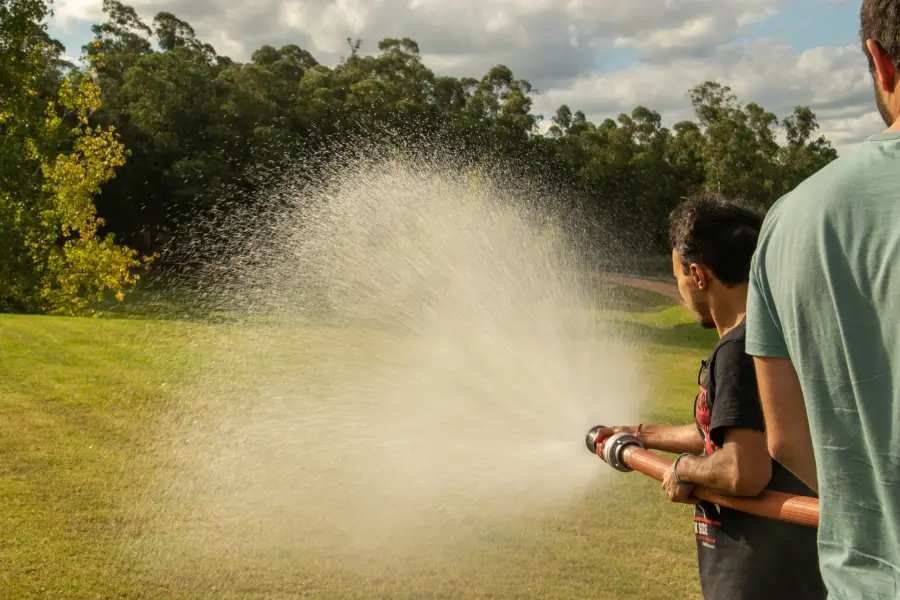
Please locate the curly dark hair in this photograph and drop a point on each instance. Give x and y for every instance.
(879, 20)
(718, 233)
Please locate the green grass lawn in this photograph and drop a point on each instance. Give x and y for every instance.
(79, 398)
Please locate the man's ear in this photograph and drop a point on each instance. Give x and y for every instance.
(700, 275)
(885, 73)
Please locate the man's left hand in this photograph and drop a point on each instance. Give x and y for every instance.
(678, 492)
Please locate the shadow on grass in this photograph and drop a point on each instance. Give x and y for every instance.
(685, 335)
(162, 300)
(617, 296)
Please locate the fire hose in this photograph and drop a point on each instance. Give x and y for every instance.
(625, 453)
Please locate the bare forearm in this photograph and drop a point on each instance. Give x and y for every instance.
(672, 438)
(709, 472)
(725, 472)
(787, 424)
(798, 458)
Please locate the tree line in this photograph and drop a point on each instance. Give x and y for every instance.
(102, 163)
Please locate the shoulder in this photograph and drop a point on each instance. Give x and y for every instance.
(732, 371)
(836, 190)
(731, 351)
(734, 339)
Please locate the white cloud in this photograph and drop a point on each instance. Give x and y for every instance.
(557, 45)
(671, 29)
(550, 40)
(66, 11)
(833, 81)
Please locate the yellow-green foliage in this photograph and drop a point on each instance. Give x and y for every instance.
(55, 260)
(79, 266)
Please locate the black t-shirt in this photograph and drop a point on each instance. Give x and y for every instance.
(743, 556)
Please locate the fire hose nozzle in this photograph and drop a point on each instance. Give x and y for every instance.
(610, 449)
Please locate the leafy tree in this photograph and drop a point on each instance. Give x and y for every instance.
(53, 257)
(739, 145)
(802, 156)
(684, 153)
(562, 122)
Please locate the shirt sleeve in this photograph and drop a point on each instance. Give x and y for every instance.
(736, 400)
(764, 332)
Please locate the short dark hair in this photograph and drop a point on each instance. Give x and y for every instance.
(718, 233)
(879, 20)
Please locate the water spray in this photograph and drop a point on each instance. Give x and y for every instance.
(625, 452)
(402, 302)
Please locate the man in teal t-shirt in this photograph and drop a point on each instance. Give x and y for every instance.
(823, 321)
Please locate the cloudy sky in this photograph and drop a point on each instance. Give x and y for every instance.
(600, 56)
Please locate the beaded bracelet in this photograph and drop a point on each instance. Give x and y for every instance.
(675, 468)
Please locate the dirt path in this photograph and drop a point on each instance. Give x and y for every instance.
(660, 287)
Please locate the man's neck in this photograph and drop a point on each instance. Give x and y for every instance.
(728, 307)
(895, 127)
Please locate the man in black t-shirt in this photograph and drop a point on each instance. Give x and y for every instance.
(741, 556)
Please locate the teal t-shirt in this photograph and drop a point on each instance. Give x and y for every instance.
(825, 292)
